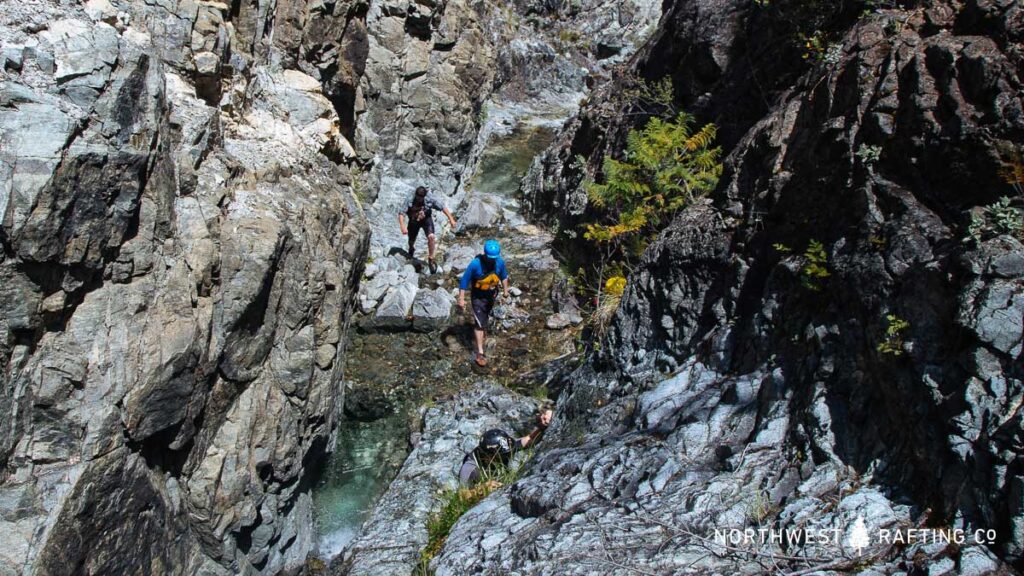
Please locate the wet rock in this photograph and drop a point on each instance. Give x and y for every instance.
(367, 403)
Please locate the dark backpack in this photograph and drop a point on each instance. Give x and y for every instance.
(419, 211)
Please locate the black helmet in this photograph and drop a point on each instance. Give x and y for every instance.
(495, 444)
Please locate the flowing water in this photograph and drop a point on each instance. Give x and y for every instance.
(368, 456)
(415, 367)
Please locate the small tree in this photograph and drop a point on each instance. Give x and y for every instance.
(666, 166)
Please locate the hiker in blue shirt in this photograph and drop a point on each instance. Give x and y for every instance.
(483, 277)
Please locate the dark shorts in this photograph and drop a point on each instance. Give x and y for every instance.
(482, 306)
(427, 225)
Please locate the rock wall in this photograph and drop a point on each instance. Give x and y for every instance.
(179, 262)
(734, 393)
(434, 70)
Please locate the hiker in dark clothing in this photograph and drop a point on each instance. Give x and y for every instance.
(419, 212)
(484, 276)
(497, 448)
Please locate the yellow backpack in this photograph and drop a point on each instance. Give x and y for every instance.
(490, 280)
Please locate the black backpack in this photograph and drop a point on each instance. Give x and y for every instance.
(419, 211)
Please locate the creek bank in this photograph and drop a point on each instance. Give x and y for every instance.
(390, 541)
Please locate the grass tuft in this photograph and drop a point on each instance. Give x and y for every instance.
(458, 501)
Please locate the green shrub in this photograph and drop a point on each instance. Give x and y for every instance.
(869, 154)
(1012, 172)
(894, 333)
(815, 269)
(995, 220)
(667, 165)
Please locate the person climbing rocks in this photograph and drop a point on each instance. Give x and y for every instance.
(419, 212)
(484, 276)
(497, 447)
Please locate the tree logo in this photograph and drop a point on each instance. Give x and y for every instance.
(859, 538)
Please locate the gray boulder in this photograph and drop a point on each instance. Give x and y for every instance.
(395, 311)
(432, 309)
(481, 212)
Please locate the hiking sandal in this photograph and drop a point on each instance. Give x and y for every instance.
(481, 360)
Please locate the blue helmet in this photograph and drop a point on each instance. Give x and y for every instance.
(492, 249)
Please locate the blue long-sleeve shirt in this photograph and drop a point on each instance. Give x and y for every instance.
(475, 271)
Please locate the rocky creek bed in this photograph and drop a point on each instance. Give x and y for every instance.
(399, 362)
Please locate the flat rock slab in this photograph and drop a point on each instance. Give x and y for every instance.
(392, 538)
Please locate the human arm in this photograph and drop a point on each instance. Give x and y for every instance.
(467, 279)
(503, 274)
(451, 219)
(543, 420)
(401, 224)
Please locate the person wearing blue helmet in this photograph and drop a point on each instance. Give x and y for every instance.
(484, 276)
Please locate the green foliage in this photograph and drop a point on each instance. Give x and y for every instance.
(894, 333)
(1000, 218)
(1012, 171)
(659, 93)
(608, 303)
(759, 507)
(815, 269)
(782, 248)
(815, 45)
(869, 154)
(358, 187)
(568, 36)
(667, 166)
(456, 502)
(615, 286)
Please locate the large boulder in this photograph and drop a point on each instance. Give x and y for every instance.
(395, 311)
(481, 212)
(432, 310)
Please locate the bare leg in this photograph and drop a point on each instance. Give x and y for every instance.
(478, 335)
(431, 245)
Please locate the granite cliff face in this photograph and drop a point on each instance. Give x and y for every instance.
(179, 263)
(731, 395)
